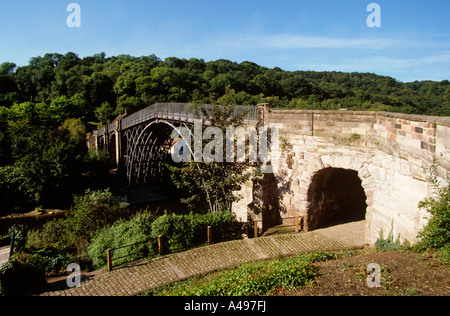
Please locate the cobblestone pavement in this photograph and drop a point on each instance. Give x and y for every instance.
(141, 276)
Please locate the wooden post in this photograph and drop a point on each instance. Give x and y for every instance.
(160, 245)
(297, 224)
(255, 223)
(109, 259)
(209, 235)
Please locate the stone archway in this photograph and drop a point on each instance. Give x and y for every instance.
(356, 166)
(335, 197)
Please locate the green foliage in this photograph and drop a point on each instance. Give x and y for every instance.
(63, 241)
(10, 193)
(436, 234)
(20, 236)
(45, 166)
(180, 232)
(389, 243)
(104, 114)
(255, 279)
(55, 79)
(47, 259)
(93, 211)
(20, 279)
(54, 234)
(134, 232)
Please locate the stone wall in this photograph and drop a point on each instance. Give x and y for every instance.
(390, 152)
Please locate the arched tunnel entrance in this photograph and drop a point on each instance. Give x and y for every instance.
(335, 197)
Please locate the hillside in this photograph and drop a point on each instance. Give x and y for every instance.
(96, 88)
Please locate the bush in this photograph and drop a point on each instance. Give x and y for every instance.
(124, 233)
(389, 243)
(93, 211)
(64, 241)
(47, 259)
(436, 234)
(180, 232)
(55, 233)
(20, 279)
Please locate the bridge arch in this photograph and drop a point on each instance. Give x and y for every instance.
(146, 147)
(392, 186)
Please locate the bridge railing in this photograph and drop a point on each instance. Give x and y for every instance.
(176, 111)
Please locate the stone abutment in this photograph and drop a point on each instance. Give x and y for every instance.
(343, 165)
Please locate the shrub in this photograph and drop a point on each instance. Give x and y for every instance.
(55, 233)
(182, 232)
(20, 279)
(124, 233)
(93, 211)
(436, 234)
(47, 259)
(63, 241)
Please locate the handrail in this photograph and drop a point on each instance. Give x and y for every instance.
(174, 111)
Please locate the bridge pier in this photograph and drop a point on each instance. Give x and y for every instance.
(390, 153)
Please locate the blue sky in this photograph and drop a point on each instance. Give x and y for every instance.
(413, 42)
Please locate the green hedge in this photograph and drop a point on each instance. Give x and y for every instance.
(180, 232)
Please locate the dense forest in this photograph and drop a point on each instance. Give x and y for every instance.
(47, 107)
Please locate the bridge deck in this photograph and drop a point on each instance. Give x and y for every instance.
(182, 112)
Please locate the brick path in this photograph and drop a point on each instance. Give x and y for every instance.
(139, 277)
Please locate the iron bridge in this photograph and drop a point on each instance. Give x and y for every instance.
(140, 142)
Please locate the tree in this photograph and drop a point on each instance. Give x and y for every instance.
(104, 113)
(7, 68)
(214, 181)
(93, 211)
(99, 88)
(8, 90)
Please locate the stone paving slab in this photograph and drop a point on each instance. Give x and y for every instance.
(4, 254)
(142, 276)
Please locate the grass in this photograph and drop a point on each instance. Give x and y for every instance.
(344, 273)
(252, 279)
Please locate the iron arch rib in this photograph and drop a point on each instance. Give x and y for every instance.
(147, 146)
